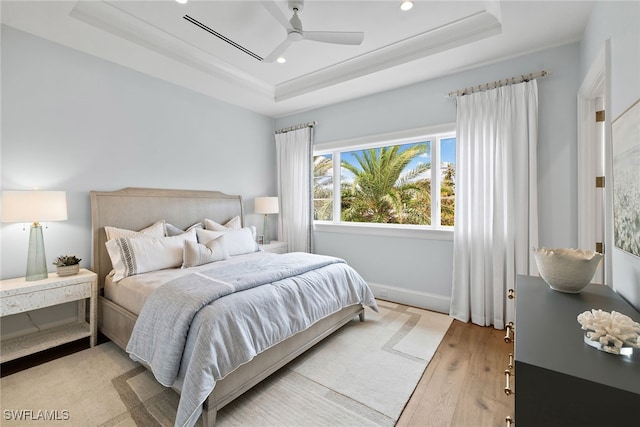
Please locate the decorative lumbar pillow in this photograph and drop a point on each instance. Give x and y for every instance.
(135, 255)
(155, 230)
(172, 230)
(233, 224)
(238, 242)
(196, 254)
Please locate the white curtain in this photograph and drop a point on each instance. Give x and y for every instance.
(294, 159)
(496, 214)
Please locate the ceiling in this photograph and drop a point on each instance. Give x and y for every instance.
(434, 38)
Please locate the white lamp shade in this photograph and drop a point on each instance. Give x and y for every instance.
(267, 205)
(34, 206)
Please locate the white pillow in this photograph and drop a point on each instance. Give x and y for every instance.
(172, 230)
(155, 230)
(238, 242)
(135, 255)
(233, 224)
(196, 254)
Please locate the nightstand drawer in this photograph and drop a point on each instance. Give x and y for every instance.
(39, 299)
(275, 247)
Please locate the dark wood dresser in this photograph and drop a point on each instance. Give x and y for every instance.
(559, 379)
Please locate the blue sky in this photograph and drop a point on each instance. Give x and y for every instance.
(447, 154)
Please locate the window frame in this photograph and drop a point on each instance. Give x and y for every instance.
(434, 134)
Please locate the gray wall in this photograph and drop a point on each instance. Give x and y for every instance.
(618, 22)
(77, 123)
(73, 122)
(420, 270)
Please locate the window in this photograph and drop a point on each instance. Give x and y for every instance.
(387, 180)
(323, 187)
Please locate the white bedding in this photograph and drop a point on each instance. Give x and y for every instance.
(131, 292)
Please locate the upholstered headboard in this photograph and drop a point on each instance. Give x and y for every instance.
(137, 208)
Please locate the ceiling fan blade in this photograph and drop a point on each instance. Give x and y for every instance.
(337, 37)
(278, 51)
(275, 11)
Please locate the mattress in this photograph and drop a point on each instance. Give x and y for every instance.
(132, 292)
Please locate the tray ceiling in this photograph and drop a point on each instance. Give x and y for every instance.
(216, 47)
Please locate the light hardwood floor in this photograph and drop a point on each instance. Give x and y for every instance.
(463, 385)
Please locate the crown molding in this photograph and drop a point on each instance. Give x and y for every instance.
(457, 33)
(108, 17)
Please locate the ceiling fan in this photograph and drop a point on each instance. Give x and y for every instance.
(296, 33)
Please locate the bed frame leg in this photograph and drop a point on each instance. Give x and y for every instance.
(361, 316)
(209, 417)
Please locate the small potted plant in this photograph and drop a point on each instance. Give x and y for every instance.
(67, 265)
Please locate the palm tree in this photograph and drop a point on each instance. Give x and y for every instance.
(382, 191)
(418, 210)
(448, 194)
(322, 188)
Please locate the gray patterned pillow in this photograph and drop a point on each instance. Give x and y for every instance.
(172, 230)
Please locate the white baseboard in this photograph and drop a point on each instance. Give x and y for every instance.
(413, 298)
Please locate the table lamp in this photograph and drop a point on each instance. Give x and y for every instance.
(34, 206)
(266, 205)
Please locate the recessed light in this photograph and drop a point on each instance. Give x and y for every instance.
(406, 5)
(281, 60)
(182, 1)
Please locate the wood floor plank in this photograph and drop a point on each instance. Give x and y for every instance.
(463, 384)
(446, 374)
(487, 404)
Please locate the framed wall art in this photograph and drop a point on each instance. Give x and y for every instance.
(625, 140)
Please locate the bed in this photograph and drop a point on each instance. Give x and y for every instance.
(119, 307)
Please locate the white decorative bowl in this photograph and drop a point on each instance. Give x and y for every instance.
(567, 270)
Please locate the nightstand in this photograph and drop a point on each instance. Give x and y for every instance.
(276, 247)
(19, 296)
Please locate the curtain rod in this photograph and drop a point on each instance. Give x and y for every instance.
(499, 83)
(296, 127)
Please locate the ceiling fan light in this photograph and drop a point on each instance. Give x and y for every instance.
(281, 60)
(406, 5)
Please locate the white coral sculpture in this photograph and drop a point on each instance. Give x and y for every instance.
(612, 330)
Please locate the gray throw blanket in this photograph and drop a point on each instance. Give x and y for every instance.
(160, 333)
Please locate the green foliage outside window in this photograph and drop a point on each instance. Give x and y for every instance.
(387, 186)
(322, 188)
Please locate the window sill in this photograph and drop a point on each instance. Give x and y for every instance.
(406, 231)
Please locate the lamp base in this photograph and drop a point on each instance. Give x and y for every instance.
(265, 230)
(36, 259)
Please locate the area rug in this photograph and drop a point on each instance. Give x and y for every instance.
(362, 375)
